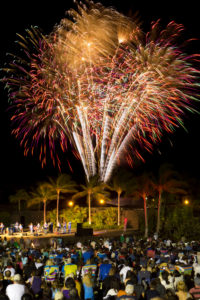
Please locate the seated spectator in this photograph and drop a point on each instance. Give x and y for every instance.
(167, 280)
(17, 289)
(88, 286)
(35, 282)
(69, 267)
(124, 271)
(129, 293)
(152, 292)
(182, 292)
(104, 269)
(73, 294)
(89, 266)
(50, 271)
(69, 284)
(195, 291)
(58, 296)
(112, 281)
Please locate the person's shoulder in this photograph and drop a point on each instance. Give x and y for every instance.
(9, 286)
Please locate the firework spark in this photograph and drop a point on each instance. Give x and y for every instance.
(98, 81)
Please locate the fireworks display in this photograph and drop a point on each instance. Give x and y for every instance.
(98, 82)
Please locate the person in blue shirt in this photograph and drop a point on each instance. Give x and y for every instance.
(69, 226)
(87, 254)
(104, 269)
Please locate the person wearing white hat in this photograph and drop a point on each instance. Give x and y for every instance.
(16, 290)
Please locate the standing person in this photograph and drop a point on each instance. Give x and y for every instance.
(51, 227)
(45, 227)
(16, 227)
(16, 290)
(1, 228)
(58, 227)
(88, 286)
(69, 226)
(31, 228)
(38, 227)
(125, 223)
(21, 228)
(64, 227)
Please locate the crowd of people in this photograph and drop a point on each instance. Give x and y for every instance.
(99, 268)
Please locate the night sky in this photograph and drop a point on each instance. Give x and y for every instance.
(182, 148)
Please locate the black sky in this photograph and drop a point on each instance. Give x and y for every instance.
(183, 150)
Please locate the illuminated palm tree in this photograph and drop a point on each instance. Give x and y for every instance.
(93, 189)
(120, 183)
(42, 193)
(20, 195)
(62, 184)
(141, 187)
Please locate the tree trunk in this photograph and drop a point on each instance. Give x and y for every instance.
(44, 211)
(118, 205)
(57, 213)
(145, 217)
(89, 208)
(159, 209)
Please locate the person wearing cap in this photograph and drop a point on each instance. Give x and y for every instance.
(16, 290)
(195, 291)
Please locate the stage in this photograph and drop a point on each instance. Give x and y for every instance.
(48, 239)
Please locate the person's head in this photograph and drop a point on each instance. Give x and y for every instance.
(73, 294)
(181, 286)
(197, 281)
(70, 283)
(129, 289)
(153, 284)
(58, 296)
(17, 278)
(8, 273)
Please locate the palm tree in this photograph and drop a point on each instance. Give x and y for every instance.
(62, 184)
(20, 195)
(141, 187)
(92, 189)
(167, 181)
(120, 183)
(42, 193)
